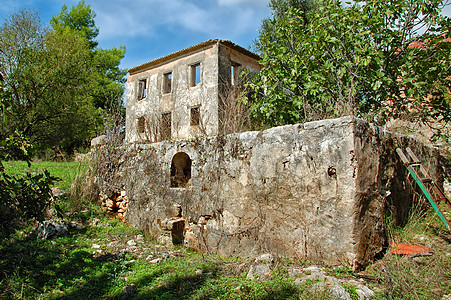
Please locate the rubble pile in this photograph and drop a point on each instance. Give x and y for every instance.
(115, 204)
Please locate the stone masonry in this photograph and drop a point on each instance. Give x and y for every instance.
(181, 95)
(318, 191)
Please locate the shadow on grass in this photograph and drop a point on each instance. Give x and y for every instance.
(181, 287)
(31, 267)
(207, 286)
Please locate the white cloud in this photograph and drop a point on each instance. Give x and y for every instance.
(256, 3)
(144, 18)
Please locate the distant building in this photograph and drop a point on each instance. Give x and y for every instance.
(178, 96)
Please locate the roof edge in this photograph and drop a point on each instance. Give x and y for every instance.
(158, 61)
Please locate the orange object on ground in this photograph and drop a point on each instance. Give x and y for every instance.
(400, 249)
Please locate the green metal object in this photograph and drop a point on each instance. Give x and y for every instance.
(428, 195)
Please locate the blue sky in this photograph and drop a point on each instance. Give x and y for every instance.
(153, 28)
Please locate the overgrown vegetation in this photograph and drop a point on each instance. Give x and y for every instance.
(25, 197)
(409, 277)
(319, 62)
(375, 59)
(94, 260)
(60, 83)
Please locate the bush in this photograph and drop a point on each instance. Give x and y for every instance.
(24, 197)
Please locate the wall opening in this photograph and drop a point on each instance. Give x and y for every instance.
(167, 82)
(234, 73)
(195, 74)
(166, 126)
(180, 170)
(195, 116)
(141, 125)
(178, 232)
(142, 89)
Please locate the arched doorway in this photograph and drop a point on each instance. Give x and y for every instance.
(180, 170)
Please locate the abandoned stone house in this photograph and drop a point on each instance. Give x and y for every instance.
(179, 96)
(319, 190)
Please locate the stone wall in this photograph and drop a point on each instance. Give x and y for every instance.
(318, 190)
(214, 60)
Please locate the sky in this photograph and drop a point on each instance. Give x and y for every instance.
(150, 29)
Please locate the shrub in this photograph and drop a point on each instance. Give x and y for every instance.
(24, 197)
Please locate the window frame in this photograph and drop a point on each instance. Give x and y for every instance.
(195, 70)
(142, 89)
(196, 116)
(167, 82)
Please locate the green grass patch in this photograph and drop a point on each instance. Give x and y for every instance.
(86, 264)
(65, 171)
(408, 277)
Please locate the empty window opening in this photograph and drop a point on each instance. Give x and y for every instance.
(195, 116)
(142, 89)
(141, 125)
(167, 82)
(166, 125)
(180, 170)
(177, 232)
(195, 74)
(234, 73)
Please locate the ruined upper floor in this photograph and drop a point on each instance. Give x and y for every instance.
(180, 96)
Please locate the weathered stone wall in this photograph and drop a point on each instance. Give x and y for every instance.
(318, 190)
(214, 60)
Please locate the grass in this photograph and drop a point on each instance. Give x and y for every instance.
(70, 268)
(407, 277)
(95, 262)
(65, 171)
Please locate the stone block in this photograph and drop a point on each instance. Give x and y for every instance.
(318, 191)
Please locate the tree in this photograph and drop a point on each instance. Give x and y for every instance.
(62, 84)
(355, 60)
(24, 197)
(280, 10)
(109, 79)
(81, 19)
(47, 74)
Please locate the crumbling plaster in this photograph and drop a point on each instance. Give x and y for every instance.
(318, 190)
(215, 58)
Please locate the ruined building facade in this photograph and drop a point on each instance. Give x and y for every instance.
(319, 191)
(179, 96)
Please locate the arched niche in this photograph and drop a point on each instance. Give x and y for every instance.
(180, 170)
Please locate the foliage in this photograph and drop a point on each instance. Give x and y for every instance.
(22, 197)
(355, 60)
(108, 78)
(60, 82)
(45, 81)
(280, 10)
(81, 19)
